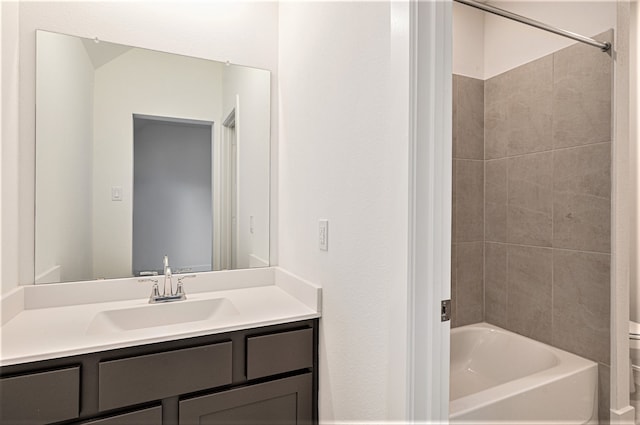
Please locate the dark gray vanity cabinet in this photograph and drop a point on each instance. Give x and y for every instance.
(265, 375)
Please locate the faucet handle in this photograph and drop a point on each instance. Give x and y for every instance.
(155, 291)
(180, 288)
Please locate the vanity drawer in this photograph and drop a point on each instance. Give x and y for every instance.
(279, 353)
(133, 380)
(151, 416)
(40, 398)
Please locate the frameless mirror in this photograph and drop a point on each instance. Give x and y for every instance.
(141, 154)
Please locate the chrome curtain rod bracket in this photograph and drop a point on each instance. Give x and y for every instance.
(604, 46)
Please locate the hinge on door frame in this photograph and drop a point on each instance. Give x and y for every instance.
(445, 310)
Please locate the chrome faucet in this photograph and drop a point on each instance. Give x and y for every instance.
(168, 284)
(167, 294)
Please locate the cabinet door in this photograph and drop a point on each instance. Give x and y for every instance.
(282, 402)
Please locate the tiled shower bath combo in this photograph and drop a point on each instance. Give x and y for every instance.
(532, 202)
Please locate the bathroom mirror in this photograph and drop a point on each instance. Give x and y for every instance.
(141, 154)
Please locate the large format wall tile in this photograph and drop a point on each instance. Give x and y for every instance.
(469, 118)
(454, 115)
(518, 107)
(469, 283)
(529, 273)
(496, 124)
(581, 303)
(495, 284)
(581, 222)
(530, 200)
(582, 193)
(582, 95)
(454, 207)
(469, 200)
(530, 106)
(495, 200)
(584, 170)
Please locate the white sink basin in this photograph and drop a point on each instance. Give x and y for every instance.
(164, 314)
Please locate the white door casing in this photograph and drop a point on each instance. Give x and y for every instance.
(430, 209)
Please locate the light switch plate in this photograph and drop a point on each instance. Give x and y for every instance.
(323, 233)
(116, 193)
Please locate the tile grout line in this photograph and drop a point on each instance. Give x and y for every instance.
(507, 280)
(484, 227)
(551, 247)
(484, 201)
(553, 185)
(484, 212)
(454, 176)
(456, 310)
(548, 150)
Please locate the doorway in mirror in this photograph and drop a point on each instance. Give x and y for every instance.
(172, 203)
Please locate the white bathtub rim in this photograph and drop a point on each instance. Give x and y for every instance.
(484, 398)
(489, 396)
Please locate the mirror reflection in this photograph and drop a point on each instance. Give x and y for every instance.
(141, 154)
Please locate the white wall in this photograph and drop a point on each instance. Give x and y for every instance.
(1, 136)
(251, 86)
(140, 82)
(65, 131)
(485, 45)
(10, 159)
(241, 32)
(341, 160)
(508, 44)
(634, 284)
(468, 41)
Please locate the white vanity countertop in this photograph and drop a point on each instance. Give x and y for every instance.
(57, 320)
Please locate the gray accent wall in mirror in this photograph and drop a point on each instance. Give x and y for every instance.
(141, 154)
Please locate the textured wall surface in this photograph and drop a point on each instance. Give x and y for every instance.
(342, 159)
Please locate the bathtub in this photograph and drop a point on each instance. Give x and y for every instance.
(499, 376)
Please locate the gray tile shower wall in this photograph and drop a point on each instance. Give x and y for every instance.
(549, 172)
(545, 215)
(467, 250)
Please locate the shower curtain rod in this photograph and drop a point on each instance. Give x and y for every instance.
(604, 46)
